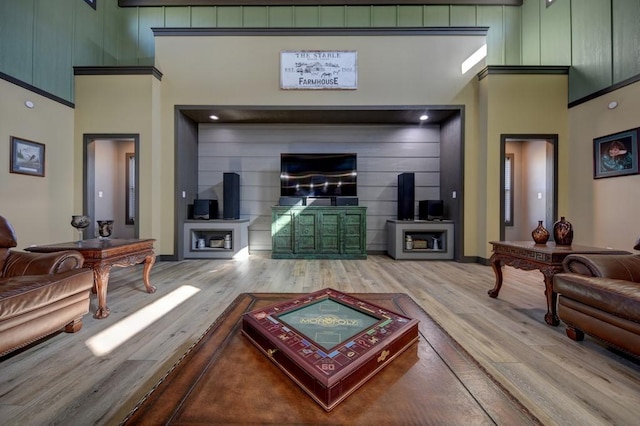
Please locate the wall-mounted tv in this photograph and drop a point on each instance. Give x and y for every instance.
(318, 175)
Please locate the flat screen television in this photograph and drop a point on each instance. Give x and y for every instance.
(318, 175)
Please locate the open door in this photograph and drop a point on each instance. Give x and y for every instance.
(528, 184)
(110, 187)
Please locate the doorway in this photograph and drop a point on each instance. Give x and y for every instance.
(110, 184)
(528, 184)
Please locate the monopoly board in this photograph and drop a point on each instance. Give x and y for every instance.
(328, 342)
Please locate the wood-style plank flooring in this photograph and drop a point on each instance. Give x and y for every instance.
(69, 379)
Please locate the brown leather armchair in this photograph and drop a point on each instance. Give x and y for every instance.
(40, 293)
(600, 295)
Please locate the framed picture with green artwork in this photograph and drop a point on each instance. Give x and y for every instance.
(616, 154)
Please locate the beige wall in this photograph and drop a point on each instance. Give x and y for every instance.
(123, 105)
(519, 104)
(244, 70)
(39, 208)
(603, 211)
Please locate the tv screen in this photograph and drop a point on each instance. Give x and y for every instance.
(318, 175)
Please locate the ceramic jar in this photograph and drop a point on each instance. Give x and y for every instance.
(408, 243)
(105, 227)
(563, 232)
(540, 234)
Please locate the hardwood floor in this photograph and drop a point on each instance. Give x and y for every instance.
(67, 380)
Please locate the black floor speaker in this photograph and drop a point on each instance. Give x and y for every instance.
(406, 196)
(231, 196)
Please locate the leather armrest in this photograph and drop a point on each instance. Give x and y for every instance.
(617, 297)
(27, 263)
(621, 267)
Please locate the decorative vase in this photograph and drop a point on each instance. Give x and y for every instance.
(105, 227)
(563, 232)
(540, 234)
(80, 222)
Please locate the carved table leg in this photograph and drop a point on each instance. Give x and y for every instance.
(551, 317)
(101, 281)
(497, 269)
(148, 263)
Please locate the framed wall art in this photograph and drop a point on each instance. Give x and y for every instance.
(27, 157)
(615, 155)
(319, 69)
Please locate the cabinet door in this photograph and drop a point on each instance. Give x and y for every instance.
(306, 229)
(354, 232)
(330, 231)
(282, 232)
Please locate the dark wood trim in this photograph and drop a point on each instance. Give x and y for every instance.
(594, 95)
(35, 90)
(430, 31)
(523, 69)
(136, 3)
(118, 70)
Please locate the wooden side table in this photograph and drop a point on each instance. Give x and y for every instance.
(101, 255)
(547, 258)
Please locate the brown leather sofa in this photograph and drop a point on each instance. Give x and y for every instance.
(600, 295)
(40, 293)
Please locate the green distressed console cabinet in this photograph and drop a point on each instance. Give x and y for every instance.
(313, 232)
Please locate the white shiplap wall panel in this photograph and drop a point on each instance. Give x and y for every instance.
(253, 151)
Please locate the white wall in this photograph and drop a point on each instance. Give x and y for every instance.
(530, 171)
(110, 186)
(535, 182)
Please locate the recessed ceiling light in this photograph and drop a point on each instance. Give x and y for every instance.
(613, 104)
(213, 117)
(424, 117)
(29, 104)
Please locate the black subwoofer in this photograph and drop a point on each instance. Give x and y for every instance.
(205, 209)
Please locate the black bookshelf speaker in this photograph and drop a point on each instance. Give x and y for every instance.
(406, 196)
(291, 201)
(346, 201)
(205, 209)
(430, 209)
(231, 196)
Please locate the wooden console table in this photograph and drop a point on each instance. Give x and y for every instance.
(101, 255)
(547, 258)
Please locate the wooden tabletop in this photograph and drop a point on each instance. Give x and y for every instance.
(224, 379)
(554, 248)
(97, 248)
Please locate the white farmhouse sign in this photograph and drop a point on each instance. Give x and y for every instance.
(319, 69)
